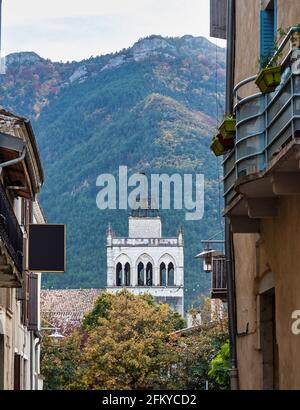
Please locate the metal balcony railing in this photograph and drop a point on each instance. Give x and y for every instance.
(10, 231)
(264, 123)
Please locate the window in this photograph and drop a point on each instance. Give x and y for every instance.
(127, 274)
(268, 31)
(162, 275)
(171, 281)
(119, 274)
(141, 281)
(149, 275)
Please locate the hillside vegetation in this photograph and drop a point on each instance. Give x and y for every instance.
(151, 107)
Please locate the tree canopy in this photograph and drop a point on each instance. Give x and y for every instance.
(131, 342)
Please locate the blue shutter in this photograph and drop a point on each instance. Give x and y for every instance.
(267, 33)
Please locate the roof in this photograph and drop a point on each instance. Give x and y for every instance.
(65, 308)
(32, 157)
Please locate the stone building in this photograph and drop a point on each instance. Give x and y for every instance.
(21, 178)
(147, 262)
(262, 190)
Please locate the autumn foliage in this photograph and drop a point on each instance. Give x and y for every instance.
(130, 342)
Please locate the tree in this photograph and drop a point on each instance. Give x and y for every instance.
(132, 342)
(127, 349)
(195, 348)
(220, 366)
(60, 361)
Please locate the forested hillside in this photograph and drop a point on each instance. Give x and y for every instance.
(152, 107)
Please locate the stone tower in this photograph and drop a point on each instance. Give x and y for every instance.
(145, 261)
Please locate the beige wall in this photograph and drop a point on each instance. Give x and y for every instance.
(282, 245)
(247, 41)
(247, 46)
(288, 13)
(277, 250)
(245, 253)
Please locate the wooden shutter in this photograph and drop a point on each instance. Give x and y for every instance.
(267, 34)
(218, 18)
(33, 302)
(2, 356)
(17, 372)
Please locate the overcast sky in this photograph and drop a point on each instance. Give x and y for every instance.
(73, 29)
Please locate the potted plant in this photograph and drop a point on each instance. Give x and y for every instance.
(227, 128)
(220, 145)
(269, 76)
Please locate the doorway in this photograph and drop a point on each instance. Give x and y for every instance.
(269, 346)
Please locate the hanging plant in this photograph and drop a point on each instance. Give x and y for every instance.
(227, 128)
(219, 145)
(269, 76)
(268, 79)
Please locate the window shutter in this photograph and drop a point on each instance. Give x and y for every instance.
(17, 372)
(219, 273)
(218, 18)
(33, 302)
(267, 34)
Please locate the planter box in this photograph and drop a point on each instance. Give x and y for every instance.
(219, 145)
(228, 143)
(268, 79)
(227, 128)
(216, 147)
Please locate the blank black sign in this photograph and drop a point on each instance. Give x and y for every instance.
(46, 248)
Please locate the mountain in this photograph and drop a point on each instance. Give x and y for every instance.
(152, 107)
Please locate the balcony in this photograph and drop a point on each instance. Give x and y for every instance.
(11, 245)
(264, 163)
(219, 282)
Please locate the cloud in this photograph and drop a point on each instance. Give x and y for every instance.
(73, 29)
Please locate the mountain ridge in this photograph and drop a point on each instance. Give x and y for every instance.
(154, 113)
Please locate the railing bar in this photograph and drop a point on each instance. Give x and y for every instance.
(281, 131)
(248, 137)
(251, 156)
(252, 117)
(280, 111)
(276, 96)
(247, 99)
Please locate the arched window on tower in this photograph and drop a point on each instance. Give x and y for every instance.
(127, 274)
(162, 275)
(119, 274)
(141, 280)
(171, 278)
(149, 274)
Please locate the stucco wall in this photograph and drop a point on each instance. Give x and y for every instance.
(288, 13)
(247, 42)
(249, 358)
(282, 247)
(277, 250)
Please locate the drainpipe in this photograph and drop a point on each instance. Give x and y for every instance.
(228, 234)
(14, 161)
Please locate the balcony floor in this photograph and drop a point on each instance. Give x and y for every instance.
(258, 193)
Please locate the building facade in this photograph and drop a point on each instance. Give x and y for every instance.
(21, 177)
(147, 262)
(262, 192)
